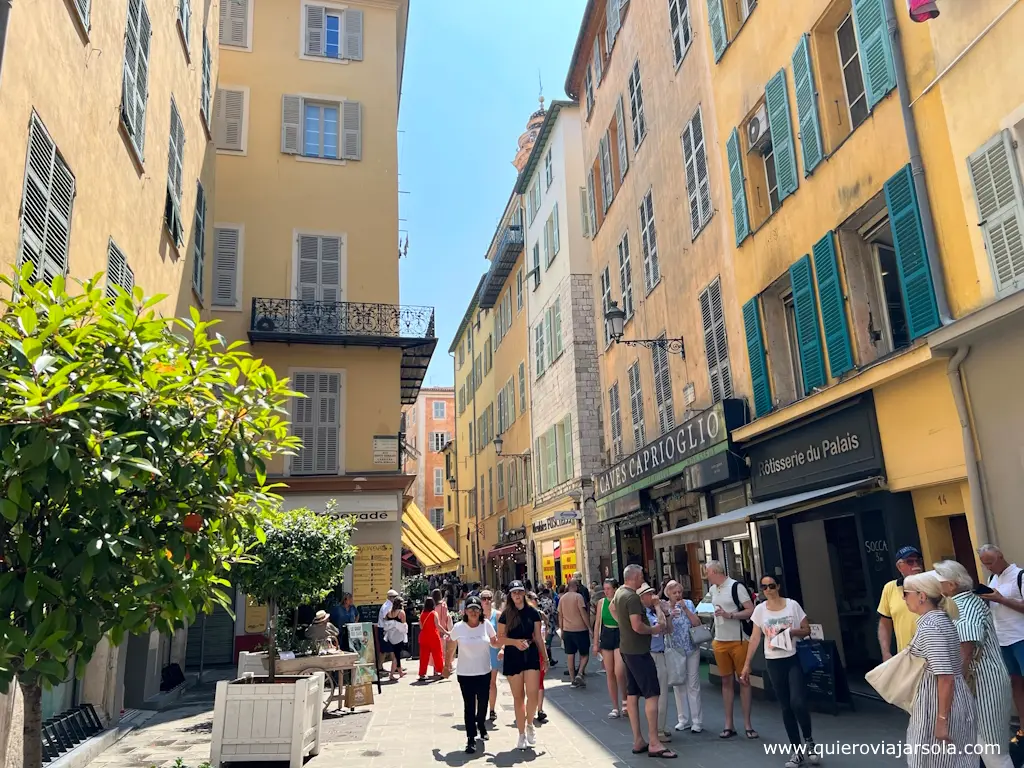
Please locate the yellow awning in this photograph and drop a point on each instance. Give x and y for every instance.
(424, 541)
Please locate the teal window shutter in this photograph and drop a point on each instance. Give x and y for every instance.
(740, 219)
(777, 100)
(716, 21)
(833, 308)
(758, 364)
(875, 49)
(808, 337)
(911, 253)
(807, 106)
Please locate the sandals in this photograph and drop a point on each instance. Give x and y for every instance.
(614, 714)
(727, 733)
(665, 754)
(752, 734)
(642, 750)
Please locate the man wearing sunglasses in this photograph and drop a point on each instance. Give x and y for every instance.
(893, 614)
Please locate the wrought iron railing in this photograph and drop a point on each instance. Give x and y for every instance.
(294, 317)
(511, 240)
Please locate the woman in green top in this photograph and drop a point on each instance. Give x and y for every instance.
(606, 644)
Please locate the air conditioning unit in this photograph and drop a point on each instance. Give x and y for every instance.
(758, 135)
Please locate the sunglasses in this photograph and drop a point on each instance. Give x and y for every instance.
(773, 585)
(909, 592)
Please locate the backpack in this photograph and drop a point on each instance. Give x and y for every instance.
(747, 624)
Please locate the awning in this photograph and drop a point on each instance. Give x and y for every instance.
(735, 523)
(508, 549)
(424, 541)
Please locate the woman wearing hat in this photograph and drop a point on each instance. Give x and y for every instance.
(520, 632)
(473, 637)
(322, 632)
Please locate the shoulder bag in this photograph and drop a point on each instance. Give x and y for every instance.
(898, 679)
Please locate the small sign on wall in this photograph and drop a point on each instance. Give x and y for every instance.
(385, 450)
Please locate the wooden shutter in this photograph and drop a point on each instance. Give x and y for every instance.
(555, 240)
(226, 247)
(234, 23)
(175, 154)
(551, 439)
(833, 307)
(538, 346)
(721, 338)
(117, 270)
(309, 268)
(591, 204)
(663, 389)
(615, 416)
(199, 241)
(997, 192)
(351, 130)
(584, 213)
(142, 77)
(228, 116)
(330, 269)
(911, 253)
(762, 390)
(353, 48)
(707, 314)
(807, 106)
(46, 206)
(547, 243)
(556, 332)
(204, 98)
(567, 460)
(597, 61)
(315, 30)
(522, 387)
(777, 101)
(740, 220)
(184, 19)
(692, 192)
(808, 337)
(875, 49)
(636, 406)
(606, 176)
(620, 130)
(612, 23)
(716, 22)
(291, 124)
(135, 79)
(327, 397)
(83, 7)
(304, 422)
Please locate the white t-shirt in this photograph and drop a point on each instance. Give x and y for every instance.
(1009, 624)
(474, 648)
(773, 623)
(384, 611)
(728, 629)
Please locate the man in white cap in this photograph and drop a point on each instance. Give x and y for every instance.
(386, 608)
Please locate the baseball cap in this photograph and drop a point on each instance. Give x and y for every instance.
(645, 589)
(392, 593)
(474, 602)
(904, 552)
(516, 586)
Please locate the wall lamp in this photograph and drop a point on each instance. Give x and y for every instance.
(616, 319)
(499, 444)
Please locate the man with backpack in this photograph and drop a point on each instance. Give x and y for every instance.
(1006, 598)
(733, 607)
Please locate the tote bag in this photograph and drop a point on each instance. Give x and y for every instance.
(675, 663)
(898, 679)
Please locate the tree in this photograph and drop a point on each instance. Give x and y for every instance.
(133, 456)
(301, 557)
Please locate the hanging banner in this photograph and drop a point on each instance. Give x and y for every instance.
(547, 561)
(568, 558)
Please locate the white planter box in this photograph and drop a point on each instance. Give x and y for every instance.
(254, 663)
(254, 720)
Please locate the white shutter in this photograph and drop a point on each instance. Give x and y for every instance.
(47, 201)
(615, 415)
(228, 114)
(591, 203)
(612, 23)
(556, 333)
(603, 160)
(226, 247)
(663, 389)
(721, 340)
(997, 191)
(309, 268)
(234, 23)
(142, 77)
(131, 66)
(636, 406)
(330, 269)
(584, 212)
(701, 159)
(304, 422)
(620, 129)
(184, 19)
(175, 154)
(353, 48)
(547, 242)
(549, 336)
(555, 242)
(315, 29)
(327, 397)
(351, 130)
(83, 7)
(597, 61)
(538, 347)
(291, 124)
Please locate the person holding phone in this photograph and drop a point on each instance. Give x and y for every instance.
(520, 633)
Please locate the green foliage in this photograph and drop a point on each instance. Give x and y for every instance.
(115, 424)
(415, 589)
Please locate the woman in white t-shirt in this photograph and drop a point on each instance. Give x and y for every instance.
(782, 622)
(473, 638)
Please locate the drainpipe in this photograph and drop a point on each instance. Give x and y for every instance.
(979, 512)
(5, 13)
(917, 166)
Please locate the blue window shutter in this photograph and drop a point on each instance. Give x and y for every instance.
(807, 106)
(716, 21)
(808, 337)
(740, 220)
(911, 253)
(833, 308)
(782, 134)
(875, 49)
(758, 364)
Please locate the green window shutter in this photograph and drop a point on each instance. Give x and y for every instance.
(570, 469)
(716, 21)
(807, 106)
(808, 336)
(875, 51)
(758, 365)
(911, 253)
(833, 308)
(740, 219)
(782, 134)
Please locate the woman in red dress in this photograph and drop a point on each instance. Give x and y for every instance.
(430, 640)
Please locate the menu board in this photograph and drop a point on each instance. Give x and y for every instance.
(371, 573)
(547, 561)
(568, 558)
(255, 617)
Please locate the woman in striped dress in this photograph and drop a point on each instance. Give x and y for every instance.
(982, 661)
(943, 720)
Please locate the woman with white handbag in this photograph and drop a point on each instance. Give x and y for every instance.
(687, 635)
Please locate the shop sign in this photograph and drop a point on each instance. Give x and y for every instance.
(547, 561)
(514, 536)
(839, 447)
(557, 520)
(568, 557)
(623, 505)
(690, 442)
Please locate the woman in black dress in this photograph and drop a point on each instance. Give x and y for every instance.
(519, 631)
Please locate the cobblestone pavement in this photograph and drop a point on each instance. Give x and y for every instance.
(412, 725)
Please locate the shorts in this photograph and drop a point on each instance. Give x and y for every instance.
(1013, 657)
(730, 656)
(495, 663)
(516, 662)
(385, 646)
(641, 675)
(576, 642)
(609, 638)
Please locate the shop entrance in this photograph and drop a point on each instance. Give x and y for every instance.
(636, 547)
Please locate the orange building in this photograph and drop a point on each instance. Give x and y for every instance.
(428, 425)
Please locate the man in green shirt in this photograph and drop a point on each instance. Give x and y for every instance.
(641, 674)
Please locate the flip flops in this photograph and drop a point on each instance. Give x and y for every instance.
(665, 754)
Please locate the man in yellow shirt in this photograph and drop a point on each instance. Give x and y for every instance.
(893, 613)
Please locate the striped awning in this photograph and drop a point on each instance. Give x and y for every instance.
(426, 543)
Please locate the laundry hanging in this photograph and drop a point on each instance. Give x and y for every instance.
(922, 10)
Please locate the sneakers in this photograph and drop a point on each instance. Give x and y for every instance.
(796, 760)
(579, 682)
(696, 729)
(812, 754)
(682, 726)
(614, 714)
(470, 747)
(522, 741)
(531, 735)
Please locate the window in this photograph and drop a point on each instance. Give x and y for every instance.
(596, 60)
(234, 23)
(533, 197)
(663, 389)
(501, 482)
(471, 451)
(588, 87)
(591, 206)
(320, 260)
(316, 420)
(135, 78)
(606, 302)
(519, 291)
(997, 191)
(227, 255)
(625, 276)
(615, 417)
(781, 336)
(119, 274)
(567, 466)
(698, 185)
(649, 243)
(83, 7)
(613, 22)
(490, 490)
(333, 34)
(522, 387)
(853, 78)
(311, 128)
(199, 241)
(604, 160)
(437, 517)
(620, 137)
(438, 481)
(553, 331)
(488, 354)
(175, 162)
(536, 265)
(438, 440)
(462, 353)
(538, 349)
(679, 24)
(204, 94)
(636, 406)
(636, 104)
(716, 344)
(46, 203)
(772, 182)
(230, 119)
(513, 484)
(887, 273)
(549, 169)
(792, 338)
(440, 409)
(184, 17)
(551, 238)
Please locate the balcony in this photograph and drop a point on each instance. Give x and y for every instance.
(351, 324)
(507, 247)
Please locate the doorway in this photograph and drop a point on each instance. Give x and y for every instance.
(963, 550)
(855, 609)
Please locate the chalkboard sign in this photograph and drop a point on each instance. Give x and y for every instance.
(826, 679)
(369, 613)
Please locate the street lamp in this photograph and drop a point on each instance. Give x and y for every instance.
(616, 319)
(499, 444)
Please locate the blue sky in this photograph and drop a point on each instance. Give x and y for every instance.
(470, 83)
